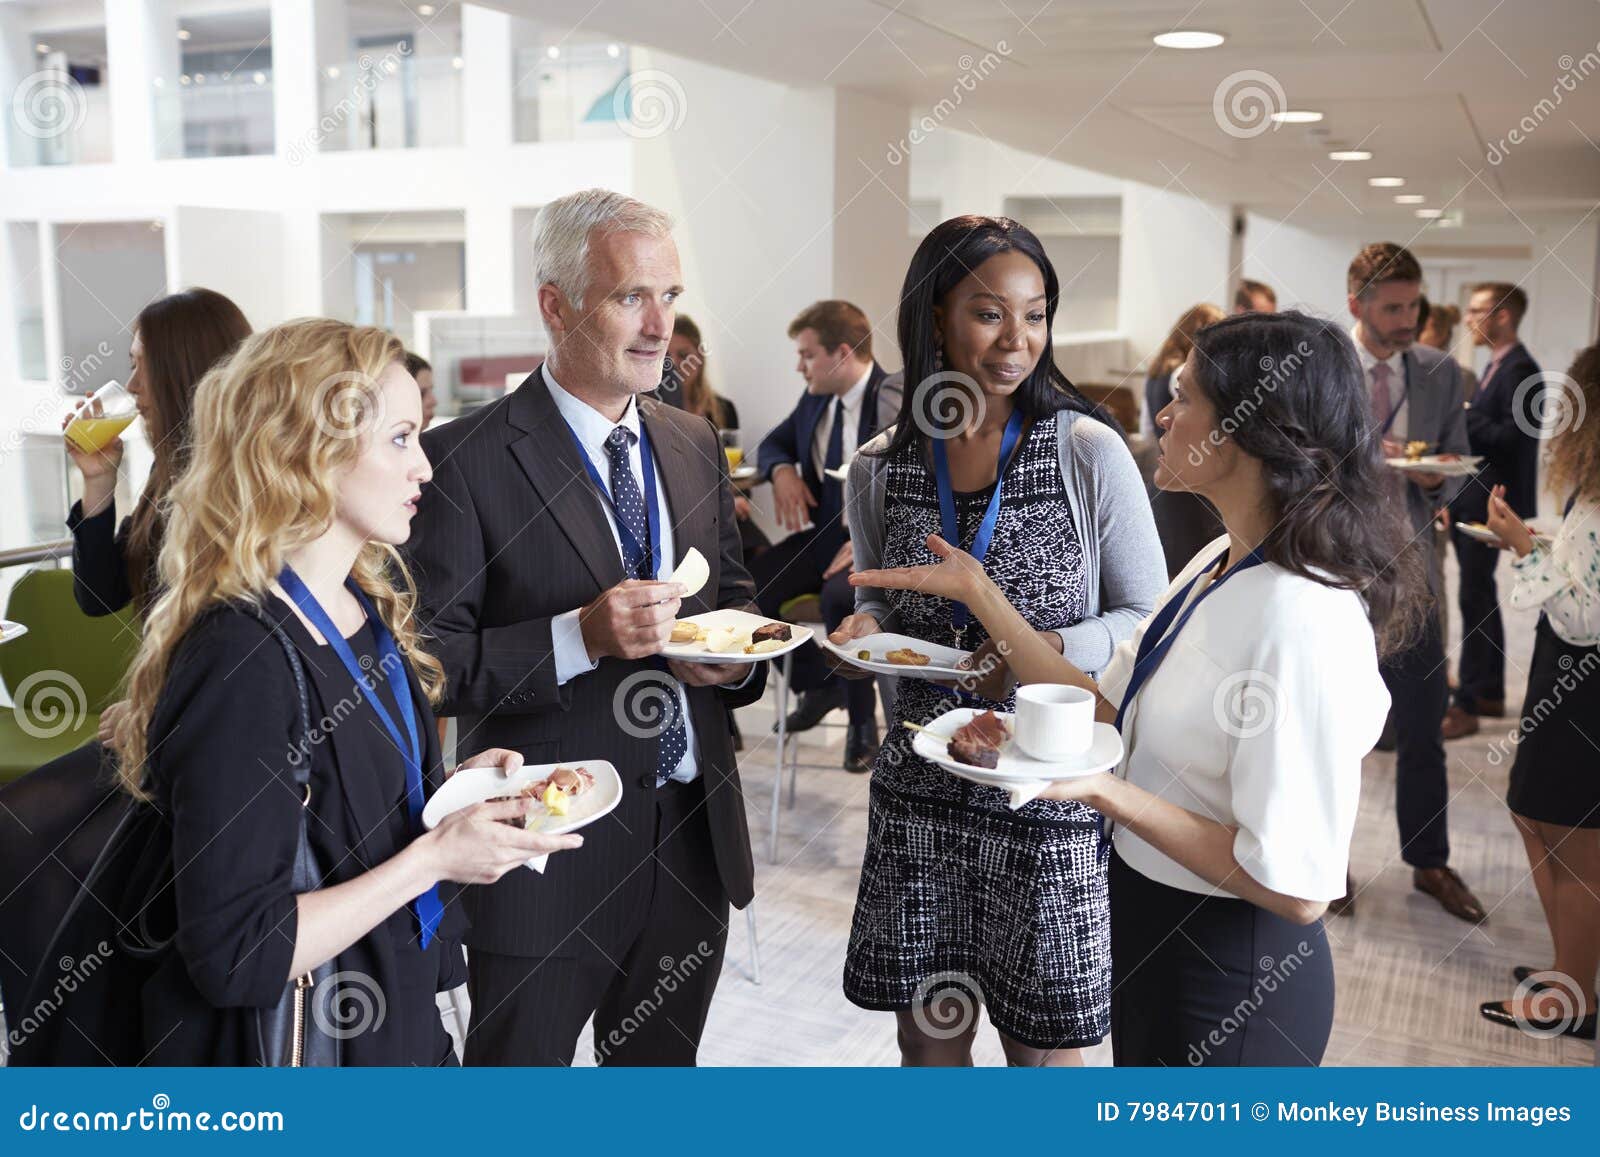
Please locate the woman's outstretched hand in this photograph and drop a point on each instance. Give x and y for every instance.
(956, 576)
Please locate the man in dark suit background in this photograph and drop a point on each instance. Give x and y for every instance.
(544, 601)
(1503, 426)
(840, 410)
(1416, 396)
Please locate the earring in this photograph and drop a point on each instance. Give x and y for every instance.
(938, 357)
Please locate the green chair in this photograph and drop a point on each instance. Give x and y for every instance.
(61, 674)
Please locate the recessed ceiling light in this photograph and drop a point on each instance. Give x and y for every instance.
(1409, 198)
(457, 62)
(333, 72)
(259, 77)
(41, 49)
(1188, 38)
(184, 79)
(1349, 155)
(1386, 182)
(1430, 214)
(553, 52)
(613, 50)
(425, 9)
(183, 34)
(1297, 116)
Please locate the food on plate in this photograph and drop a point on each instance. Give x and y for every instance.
(726, 640)
(864, 654)
(765, 646)
(977, 742)
(1447, 457)
(766, 631)
(555, 792)
(691, 573)
(687, 632)
(906, 657)
(1415, 450)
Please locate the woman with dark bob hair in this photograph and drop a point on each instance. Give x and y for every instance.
(993, 448)
(1246, 702)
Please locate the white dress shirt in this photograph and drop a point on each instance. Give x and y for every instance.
(1399, 429)
(1258, 718)
(593, 428)
(852, 424)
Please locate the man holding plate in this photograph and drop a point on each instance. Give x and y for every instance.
(545, 552)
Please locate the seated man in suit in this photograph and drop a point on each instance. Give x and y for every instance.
(1415, 396)
(1502, 425)
(541, 551)
(840, 410)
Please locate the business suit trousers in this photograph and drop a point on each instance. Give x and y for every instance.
(1481, 671)
(789, 570)
(650, 1004)
(1419, 694)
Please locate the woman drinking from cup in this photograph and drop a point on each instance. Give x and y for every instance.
(995, 446)
(1245, 703)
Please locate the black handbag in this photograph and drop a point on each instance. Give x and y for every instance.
(130, 888)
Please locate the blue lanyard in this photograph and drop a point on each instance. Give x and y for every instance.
(428, 907)
(1405, 392)
(1158, 639)
(947, 503)
(652, 516)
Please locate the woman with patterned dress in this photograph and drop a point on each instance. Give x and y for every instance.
(962, 900)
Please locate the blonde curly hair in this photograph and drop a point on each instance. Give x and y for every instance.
(274, 428)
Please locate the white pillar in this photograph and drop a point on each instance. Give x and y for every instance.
(486, 75)
(491, 265)
(141, 45)
(871, 213)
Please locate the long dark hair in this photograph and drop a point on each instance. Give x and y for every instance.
(184, 335)
(951, 251)
(1289, 391)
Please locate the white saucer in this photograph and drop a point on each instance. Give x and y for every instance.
(1457, 467)
(1104, 753)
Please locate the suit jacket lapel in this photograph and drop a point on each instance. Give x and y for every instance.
(548, 455)
(675, 475)
(867, 420)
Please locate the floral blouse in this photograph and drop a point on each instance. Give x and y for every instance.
(1562, 577)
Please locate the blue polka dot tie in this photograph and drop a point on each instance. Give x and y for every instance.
(630, 510)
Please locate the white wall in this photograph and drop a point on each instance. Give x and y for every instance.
(1174, 255)
(109, 271)
(202, 251)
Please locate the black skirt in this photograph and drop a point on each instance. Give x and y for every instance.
(1555, 778)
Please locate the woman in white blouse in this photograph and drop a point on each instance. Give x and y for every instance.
(1554, 794)
(1246, 702)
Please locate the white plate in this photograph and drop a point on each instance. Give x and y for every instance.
(1483, 534)
(1104, 753)
(744, 473)
(473, 785)
(742, 621)
(1430, 464)
(10, 630)
(943, 662)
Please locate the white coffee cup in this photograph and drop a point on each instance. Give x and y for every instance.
(1054, 721)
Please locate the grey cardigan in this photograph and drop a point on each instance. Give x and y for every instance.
(1124, 569)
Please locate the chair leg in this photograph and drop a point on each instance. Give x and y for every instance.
(778, 759)
(794, 773)
(755, 946)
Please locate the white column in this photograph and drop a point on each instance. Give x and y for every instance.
(491, 264)
(486, 75)
(141, 45)
(50, 300)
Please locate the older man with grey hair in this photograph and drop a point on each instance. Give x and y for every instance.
(542, 551)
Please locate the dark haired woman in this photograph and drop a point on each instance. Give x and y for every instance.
(995, 448)
(1246, 702)
(417, 366)
(176, 339)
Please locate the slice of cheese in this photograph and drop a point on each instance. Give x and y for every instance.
(691, 573)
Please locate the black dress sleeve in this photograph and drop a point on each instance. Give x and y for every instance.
(730, 414)
(220, 742)
(99, 561)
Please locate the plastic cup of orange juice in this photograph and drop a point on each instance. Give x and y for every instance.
(101, 418)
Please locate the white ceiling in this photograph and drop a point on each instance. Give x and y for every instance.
(1427, 85)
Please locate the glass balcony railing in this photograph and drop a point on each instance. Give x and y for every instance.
(215, 115)
(571, 91)
(390, 100)
(57, 119)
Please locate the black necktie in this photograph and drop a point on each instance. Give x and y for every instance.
(835, 455)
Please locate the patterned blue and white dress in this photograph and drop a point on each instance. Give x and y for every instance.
(957, 890)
